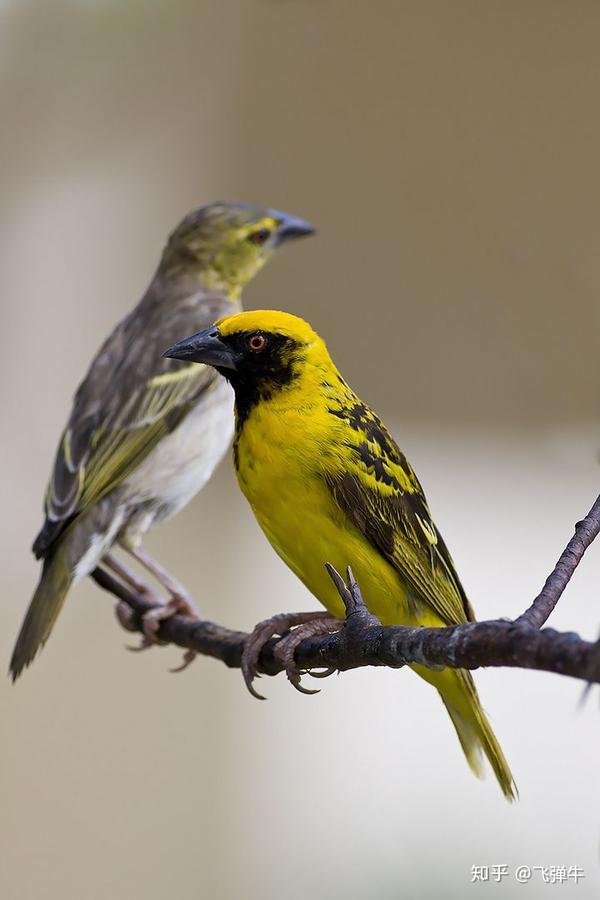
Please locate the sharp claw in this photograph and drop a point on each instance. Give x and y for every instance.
(300, 687)
(254, 692)
(324, 674)
(144, 644)
(286, 648)
(254, 644)
(188, 658)
(249, 677)
(249, 661)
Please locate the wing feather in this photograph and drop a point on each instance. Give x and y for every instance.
(382, 496)
(130, 398)
(119, 447)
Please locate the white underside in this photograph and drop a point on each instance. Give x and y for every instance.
(183, 461)
(168, 478)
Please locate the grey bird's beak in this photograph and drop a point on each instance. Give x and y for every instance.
(204, 347)
(291, 227)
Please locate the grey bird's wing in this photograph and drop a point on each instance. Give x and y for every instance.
(130, 398)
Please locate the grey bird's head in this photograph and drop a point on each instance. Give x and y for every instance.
(226, 244)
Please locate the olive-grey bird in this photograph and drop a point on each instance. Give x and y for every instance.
(145, 433)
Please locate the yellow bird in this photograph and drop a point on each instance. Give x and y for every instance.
(328, 483)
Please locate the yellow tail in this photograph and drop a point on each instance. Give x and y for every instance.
(457, 690)
(475, 732)
(56, 579)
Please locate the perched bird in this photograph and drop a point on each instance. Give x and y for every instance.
(145, 433)
(328, 484)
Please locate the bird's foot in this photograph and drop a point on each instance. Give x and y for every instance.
(178, 605)
(304, 624)
(151, 621)
(126, 616)
(124, 613)
(286, 647)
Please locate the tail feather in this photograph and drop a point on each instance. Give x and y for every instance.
(56, 579)
(469, 741)
(77, 551)
(475, 734)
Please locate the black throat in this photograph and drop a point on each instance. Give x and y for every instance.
(258, 377)
(253, 387)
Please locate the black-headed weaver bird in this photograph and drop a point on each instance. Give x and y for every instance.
(145, 433)
(328, 484)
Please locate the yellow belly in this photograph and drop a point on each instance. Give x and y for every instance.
(301, 520)
(307, 529)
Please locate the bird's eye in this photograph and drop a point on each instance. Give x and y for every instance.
(259, 237)
(256, 343)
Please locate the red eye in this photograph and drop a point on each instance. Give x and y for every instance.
(256, 343)
(260, 236)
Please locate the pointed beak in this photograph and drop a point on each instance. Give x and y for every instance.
(204, 347)
(291, 227)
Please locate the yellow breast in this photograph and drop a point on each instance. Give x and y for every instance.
(284, 451)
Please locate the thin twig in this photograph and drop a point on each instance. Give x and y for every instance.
(558, 579)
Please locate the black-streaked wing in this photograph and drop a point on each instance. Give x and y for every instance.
(382, 496)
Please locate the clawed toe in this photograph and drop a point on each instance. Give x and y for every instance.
(151, 622)
(286, 648)
(304, 624)
(262, 633)
(144, 644)
(325, 673)
(125, 616)
(188, 657)
(177, 606)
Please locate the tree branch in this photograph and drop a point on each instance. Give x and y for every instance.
(558, 579)
(362, 641)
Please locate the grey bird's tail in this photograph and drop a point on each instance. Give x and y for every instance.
(61, 568)
(56, 579)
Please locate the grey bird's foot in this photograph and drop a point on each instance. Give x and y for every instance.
(177, 606)
(124, 613)
(309, 624)
(125, 616)
(151, 623)
(180, 604)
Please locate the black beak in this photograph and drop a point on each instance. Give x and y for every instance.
(292, 227)
(204, 347)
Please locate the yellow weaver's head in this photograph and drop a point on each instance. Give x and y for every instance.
(259, 352)
(228, 243)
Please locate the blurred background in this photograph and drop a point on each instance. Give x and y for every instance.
(448, 153)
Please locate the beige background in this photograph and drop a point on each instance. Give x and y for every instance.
(449, 154)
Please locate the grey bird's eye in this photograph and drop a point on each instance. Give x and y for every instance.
(259, 237)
